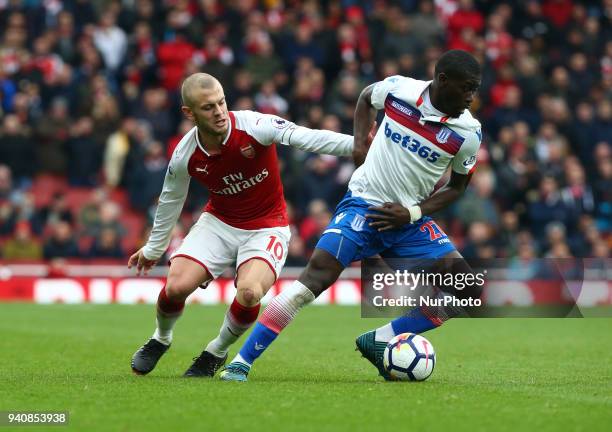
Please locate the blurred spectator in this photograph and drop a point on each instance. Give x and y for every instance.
(584, 132)
(146, 176)
(547, 206)
(506, 96)
(173, 55)
(51, 133)
(56, 211)
(577, 195)
(184, 127)
(320, 182)
(16, 148)
(314, 224)
(558, 11)
(62, 242)
(107, 244)
(401, 38)
(110, 215)
(498, 41)
(66, 37)
(264, 64)
(603, 187)
(6, 182)
(8, 217)
(89, 213)
(555, 238)
(343, 99)
(523, 266)
(477, 205)
(22, 246)
(600, 250)
(117, 147)
(269, 101)
(296, 254)
(603, 124)
(529, 79)
(57, 268)
(479, 244)
(301, 44)
(466, 18)
(506, 240)
(426, 26)
(84, 154)
(110, 40)
(154, 112)
(533, 25)
(550, 149)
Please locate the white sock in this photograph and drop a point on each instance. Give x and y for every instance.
(285, 306)
(165, 324)
(228, 334)
(240, 359)
(384, 333)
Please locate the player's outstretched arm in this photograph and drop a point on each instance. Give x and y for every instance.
(316, 141)
(323, 141)
(362, 125)
(269, 129)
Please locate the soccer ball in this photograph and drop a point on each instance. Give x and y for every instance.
(409, 357)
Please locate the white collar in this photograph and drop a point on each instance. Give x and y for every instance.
(224, 142)
(464, 121)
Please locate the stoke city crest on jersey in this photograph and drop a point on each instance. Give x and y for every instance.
(443, 134)
(248, 151)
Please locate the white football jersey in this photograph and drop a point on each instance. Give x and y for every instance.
(414, 145)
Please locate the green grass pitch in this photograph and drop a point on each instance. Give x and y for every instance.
(491, 374)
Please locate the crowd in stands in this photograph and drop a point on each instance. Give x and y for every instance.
(89, 95)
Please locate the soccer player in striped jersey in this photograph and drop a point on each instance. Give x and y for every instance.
(426, 129)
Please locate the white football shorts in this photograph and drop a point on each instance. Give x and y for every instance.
(216, 246)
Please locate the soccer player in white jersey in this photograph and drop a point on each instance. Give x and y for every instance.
(426, 128)
(244, 224)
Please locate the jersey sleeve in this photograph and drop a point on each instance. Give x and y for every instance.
(268, 129)
(169, 207)
(382, 89)
(465, 159)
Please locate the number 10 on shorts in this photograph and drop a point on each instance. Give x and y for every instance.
(275, 247)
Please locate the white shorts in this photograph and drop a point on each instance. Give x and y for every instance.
(217, 246)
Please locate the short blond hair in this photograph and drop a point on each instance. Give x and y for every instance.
(195, 81)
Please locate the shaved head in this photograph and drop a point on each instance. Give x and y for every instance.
(204, 104)
(195, 82)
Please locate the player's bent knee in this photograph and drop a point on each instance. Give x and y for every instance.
(250, 292)
(178, 288)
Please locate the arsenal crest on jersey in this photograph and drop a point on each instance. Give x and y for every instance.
(443, 135)
(248, 151)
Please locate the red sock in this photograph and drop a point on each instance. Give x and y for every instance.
(243, 315)
(167, 306)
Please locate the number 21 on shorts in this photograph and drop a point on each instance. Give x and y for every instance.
(275, 247)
